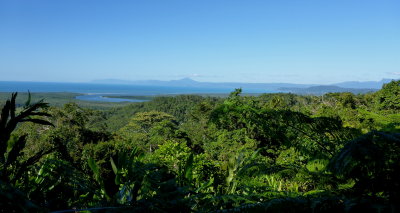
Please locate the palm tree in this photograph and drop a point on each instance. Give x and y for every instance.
(10, 168)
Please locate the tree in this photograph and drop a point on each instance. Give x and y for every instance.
(372, 161)
(149, 129)
(388, 98)
(11, 167)
(11, 147)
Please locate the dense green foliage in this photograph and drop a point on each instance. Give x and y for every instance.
(338, 152)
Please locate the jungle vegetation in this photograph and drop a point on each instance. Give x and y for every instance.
(338, 152)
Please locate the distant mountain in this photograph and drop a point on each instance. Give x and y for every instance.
(320, 90)
(185, 82)
(364, 84)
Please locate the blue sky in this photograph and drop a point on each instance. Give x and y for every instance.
(298, 41)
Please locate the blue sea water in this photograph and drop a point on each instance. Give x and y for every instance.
(10, 86)
(95, 92)
(101, 98)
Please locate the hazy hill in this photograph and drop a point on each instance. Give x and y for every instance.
(363, 84)
(320, 90)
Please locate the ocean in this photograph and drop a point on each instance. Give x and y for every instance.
(95, 92)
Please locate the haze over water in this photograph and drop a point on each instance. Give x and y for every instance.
(89, 88)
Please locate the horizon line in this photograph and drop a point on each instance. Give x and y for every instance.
(133, 81)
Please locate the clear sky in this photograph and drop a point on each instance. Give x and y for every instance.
(298, 41)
